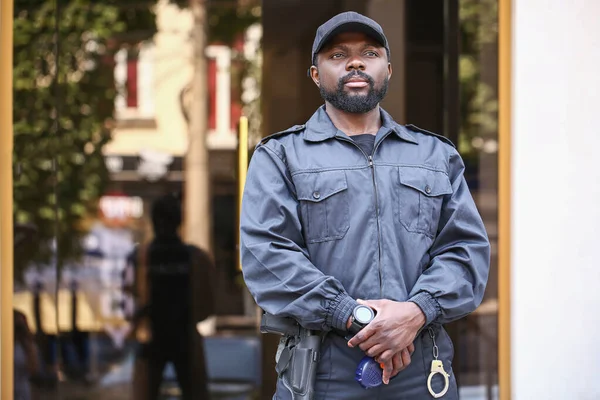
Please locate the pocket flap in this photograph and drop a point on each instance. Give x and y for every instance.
(426, 181)
(317, 186)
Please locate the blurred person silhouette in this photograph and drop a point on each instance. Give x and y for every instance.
(26, 365)
(173, 294)
(26, 360)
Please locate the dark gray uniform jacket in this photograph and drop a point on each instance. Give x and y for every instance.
(324, 224)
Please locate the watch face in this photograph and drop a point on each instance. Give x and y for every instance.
(363, 314)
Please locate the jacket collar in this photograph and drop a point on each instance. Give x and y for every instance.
(319, 127)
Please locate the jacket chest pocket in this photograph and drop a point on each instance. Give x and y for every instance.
(420, 195)
(324, 205)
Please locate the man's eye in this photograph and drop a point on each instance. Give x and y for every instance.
(371, 54)
(337, 55)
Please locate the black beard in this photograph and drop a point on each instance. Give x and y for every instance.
(355, 104)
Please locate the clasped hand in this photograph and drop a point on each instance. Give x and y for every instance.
(389, 337)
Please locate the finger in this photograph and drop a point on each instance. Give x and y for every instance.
(386, 356)
(361, 336)
(405, 358)
(411, 348)
(373, 351)
(370, 342)
(387, 371)
(397, 364)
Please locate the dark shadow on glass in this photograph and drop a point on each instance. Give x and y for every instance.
(173, 289)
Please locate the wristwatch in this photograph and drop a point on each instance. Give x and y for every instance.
(361, 316)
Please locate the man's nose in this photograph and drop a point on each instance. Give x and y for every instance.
(355, 63)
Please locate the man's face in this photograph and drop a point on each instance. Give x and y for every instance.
(352, 72)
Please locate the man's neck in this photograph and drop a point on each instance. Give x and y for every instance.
(355, 124)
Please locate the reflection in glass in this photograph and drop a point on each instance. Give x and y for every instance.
(477, 335)
(103, 96)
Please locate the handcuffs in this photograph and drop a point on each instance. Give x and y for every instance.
(437, 367)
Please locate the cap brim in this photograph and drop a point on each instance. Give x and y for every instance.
(351, 27)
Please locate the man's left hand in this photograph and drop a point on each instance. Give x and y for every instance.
(394, 328)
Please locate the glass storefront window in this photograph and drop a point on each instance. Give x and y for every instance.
(104, 130)
(117, 295)
(476, 336)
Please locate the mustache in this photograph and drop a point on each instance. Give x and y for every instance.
(354, 74)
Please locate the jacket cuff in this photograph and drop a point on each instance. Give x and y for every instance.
(339, 311)
(428, 305)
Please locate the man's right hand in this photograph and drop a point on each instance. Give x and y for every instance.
(399, 362)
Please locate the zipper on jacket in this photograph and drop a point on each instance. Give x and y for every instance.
(377, 212)
(372, 166)
(378, 226)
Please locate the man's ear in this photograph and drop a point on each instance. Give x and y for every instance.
(314, 75)
(389, 70)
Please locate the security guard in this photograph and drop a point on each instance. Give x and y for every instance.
(355, 224)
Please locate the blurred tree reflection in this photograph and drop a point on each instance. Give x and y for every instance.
(62, 113)
(478, 77)
(63, 107)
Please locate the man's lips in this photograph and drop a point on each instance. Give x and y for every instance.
(357, 83)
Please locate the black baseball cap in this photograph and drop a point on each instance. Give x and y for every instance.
(349, 21)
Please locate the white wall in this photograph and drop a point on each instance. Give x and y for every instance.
(556, 200)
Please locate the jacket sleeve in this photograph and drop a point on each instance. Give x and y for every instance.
(275, 262)
(454, 282)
